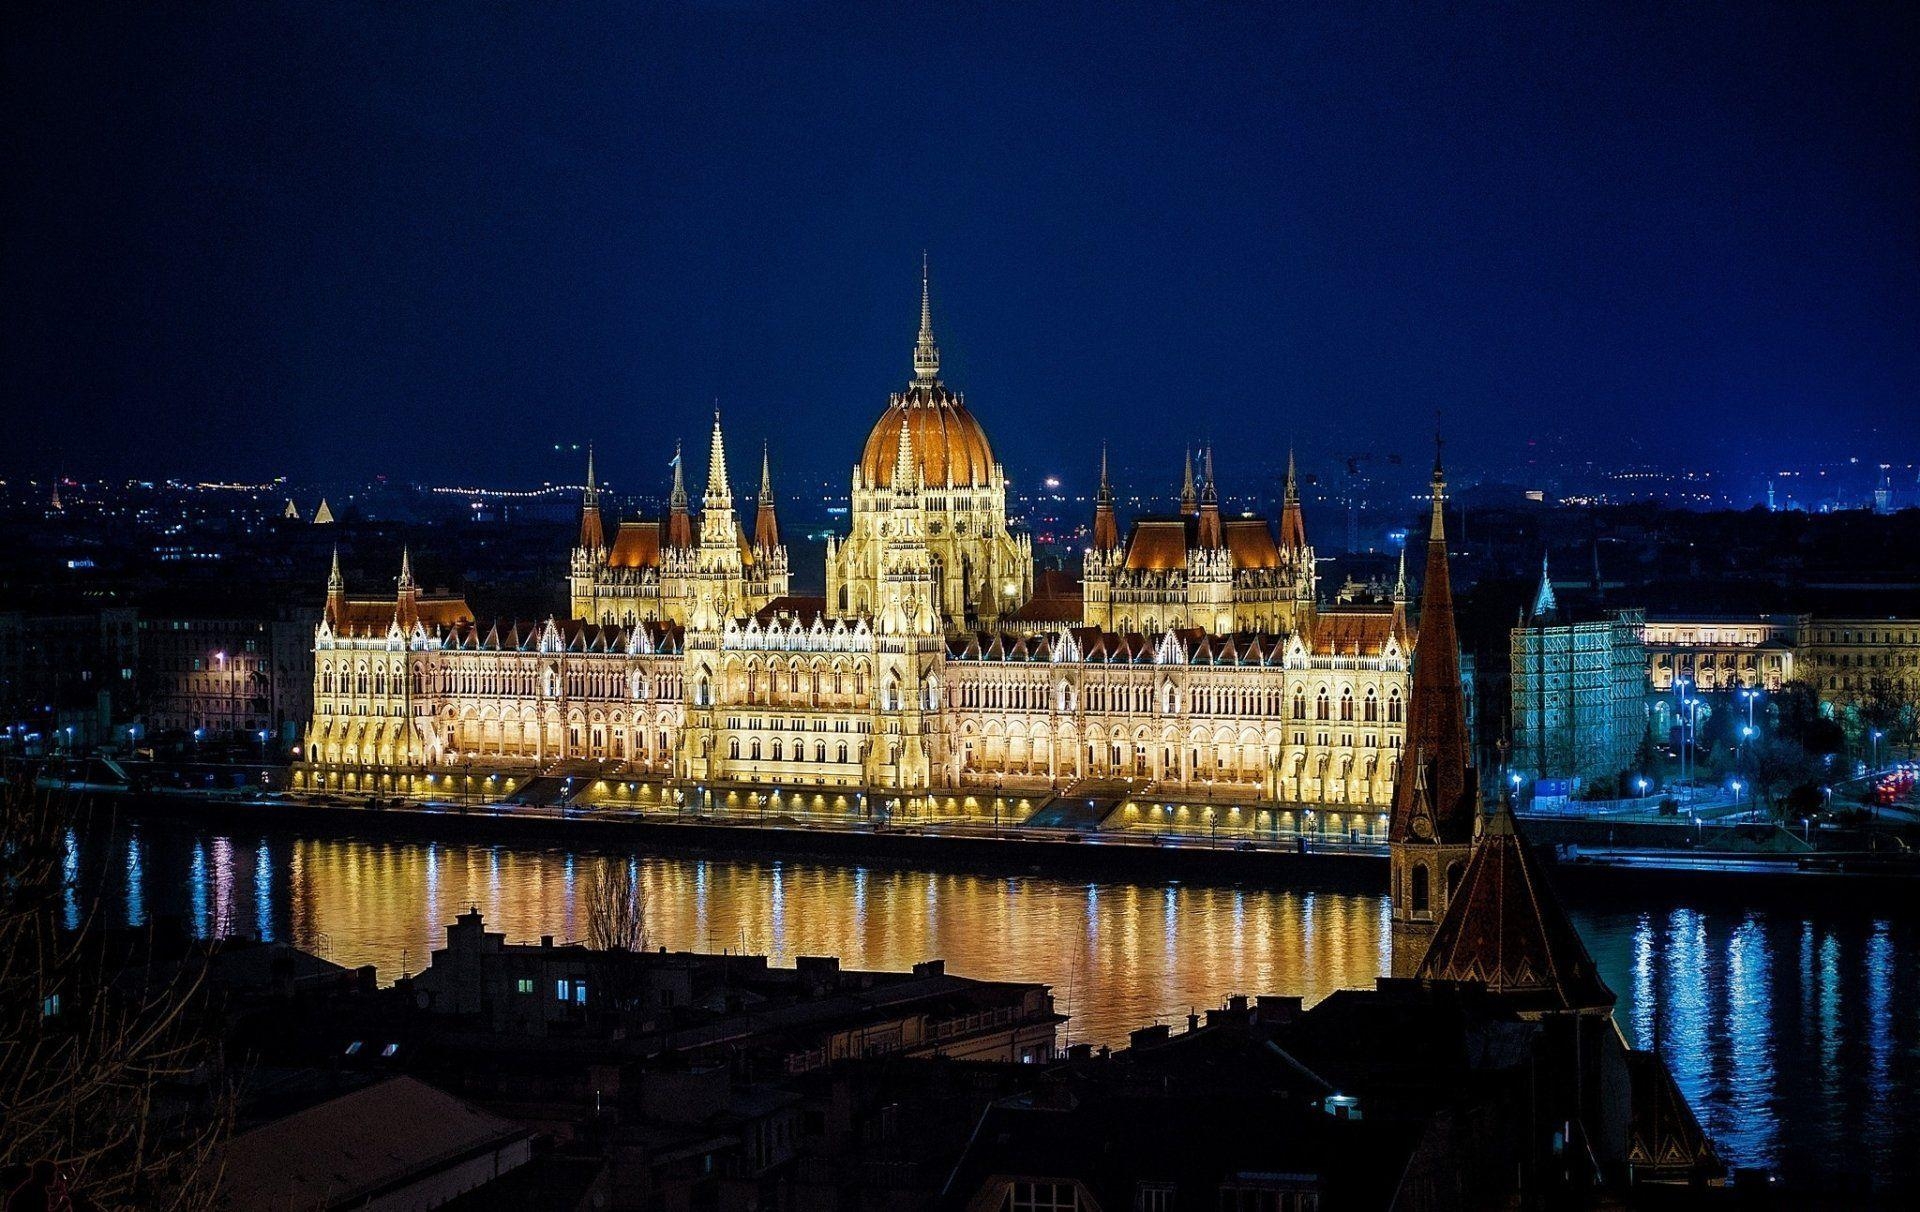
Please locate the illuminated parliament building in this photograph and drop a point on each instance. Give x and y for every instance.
(1197, 660)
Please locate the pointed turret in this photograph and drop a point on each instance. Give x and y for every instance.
(1189, 500)
(1293, 524)
(906, 472)
(593, 534)
(1210, 534)
(926, 355)
(323, 516)
(406, 603)
(766, 528)
(336, 592)
(1106, 527)
(679, 522)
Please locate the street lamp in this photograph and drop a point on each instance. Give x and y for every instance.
(1641, 784)
(1876, 734)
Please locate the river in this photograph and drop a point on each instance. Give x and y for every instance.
(1791, 1027)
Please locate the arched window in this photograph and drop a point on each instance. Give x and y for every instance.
(1372, 707)
(753, 751)
(733, 749)
(1299, 704)
(1421, 898)
(1346, 704)
(1454, 871)
(843, 752)
(1393, 706)
(1323, 705)
(776, 749)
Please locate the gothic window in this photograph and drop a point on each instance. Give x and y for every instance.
(1299, 704)
(776, 749)
(1323, 706)
(733, 749)
(841, 756)
(1372, 708)
(1393, 706)
(1346, 704)
(1421, 897)
(1454, 872)
(819, 751)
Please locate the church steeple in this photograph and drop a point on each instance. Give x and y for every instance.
(1189, 500)
(766, 528)
(1106, 527)
(1434, 798)
(593, 534)
(926, 355)
(406, 604)
(1293, 524)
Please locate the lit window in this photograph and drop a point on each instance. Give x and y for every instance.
(563, 990)
(580, 993)
(523, 985)
(389, 1049)
(353, 1049)
(50, 1005)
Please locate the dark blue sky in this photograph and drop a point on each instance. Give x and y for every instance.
(435, 240)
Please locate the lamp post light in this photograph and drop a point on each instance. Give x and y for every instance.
(1641, 784)
(1876, 734)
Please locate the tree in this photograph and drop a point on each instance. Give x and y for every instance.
(616, 928)
(616, 911)
(98, 1058)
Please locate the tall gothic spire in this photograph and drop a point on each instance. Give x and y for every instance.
(766, 528)
(593, 534)
(406, 571)
(719, 492)
(1400, 583)
(1436, 794)
(1106, 527)
(926, 355)
(336, 583)
(1293, 523)
(1189, 500)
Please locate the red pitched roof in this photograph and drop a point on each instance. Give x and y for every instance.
(635, 545)
(1505, 928)
(1435, 796)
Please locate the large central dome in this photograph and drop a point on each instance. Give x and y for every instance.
(949, 447)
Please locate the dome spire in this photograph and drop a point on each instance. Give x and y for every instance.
(926, 355)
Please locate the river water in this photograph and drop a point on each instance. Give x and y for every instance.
(1794, 1028)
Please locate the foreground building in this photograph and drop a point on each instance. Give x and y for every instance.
(1203, 663)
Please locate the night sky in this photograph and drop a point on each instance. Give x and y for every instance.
(335, 239)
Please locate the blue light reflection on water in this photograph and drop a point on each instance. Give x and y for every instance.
(1789, 1026)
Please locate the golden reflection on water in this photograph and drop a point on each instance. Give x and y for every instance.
(1118, 955)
